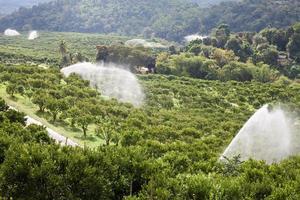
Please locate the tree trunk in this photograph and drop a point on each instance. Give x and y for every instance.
(84, 131)
(54, 117)
(73, 122)
(107, 142)
(131, 183)
(42, 109)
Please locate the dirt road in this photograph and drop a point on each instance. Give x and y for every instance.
(52, 134)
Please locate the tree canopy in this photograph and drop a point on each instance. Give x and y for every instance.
(169, 19)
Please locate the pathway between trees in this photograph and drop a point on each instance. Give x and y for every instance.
(52, 134)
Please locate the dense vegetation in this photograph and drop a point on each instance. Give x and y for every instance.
(208, 3)
(169, 19)
(14, 5)
(253, 15)
(266, 56)
(45, 49)
(244, 56)
(166, 18)
(168, 149)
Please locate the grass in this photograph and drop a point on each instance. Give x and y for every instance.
(23, 104)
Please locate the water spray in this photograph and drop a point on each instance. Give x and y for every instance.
(190, 38)
(33, 35)
(11, 32)
(111, 80)
(144, 43)
(268, 135)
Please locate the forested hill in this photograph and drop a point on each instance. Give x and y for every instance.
(208, 3)
(253, 15)
(8, 6)
(169, 19)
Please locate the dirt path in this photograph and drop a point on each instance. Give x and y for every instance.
(52, 134)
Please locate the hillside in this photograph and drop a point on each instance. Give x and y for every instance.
(208, 3)
(253, 15)
(169, 19)
(14, 5)
(150, 100)
(165, 150)
(45, 48)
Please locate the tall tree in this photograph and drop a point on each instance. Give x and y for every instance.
(83, 121)
(222, 34)
(40, 98)
(107, 130)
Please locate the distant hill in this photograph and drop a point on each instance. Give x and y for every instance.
(169, 19)
(8, 6)
(208, 3)
(253, 15)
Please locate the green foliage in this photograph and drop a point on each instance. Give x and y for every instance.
(169, 19)
(11, 89)
(13, 5)
(170, 147)
(186, 65)
(40, 98)
(277, 37)
(269, 56)
(253, 15)
(45, 49)
(222, 34)
(3, 106)
(131, 56)
(84, 121)
(165, 151)
(15, 116)
(295, 71)
(293, 47)
(221, 67)
(241, 48)
(108, 130)
(232, 166)
(54, 106)
(274, 47)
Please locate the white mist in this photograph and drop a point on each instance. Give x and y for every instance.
(11, 32)
(190, 38)
(33, 35)
(267, 135)
(111, 80)
(144, 43)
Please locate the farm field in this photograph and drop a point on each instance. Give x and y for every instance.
(45, 49)
(212, 116)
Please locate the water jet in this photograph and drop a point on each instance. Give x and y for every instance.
(11, 32)
(111, 80)
(33, 35)
(268, 135)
